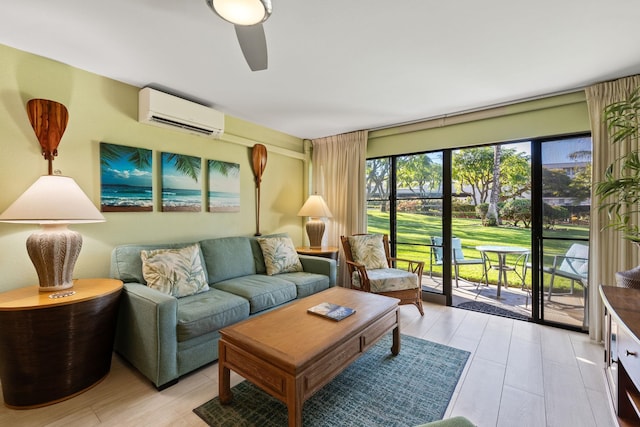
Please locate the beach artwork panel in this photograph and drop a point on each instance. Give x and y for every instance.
(181, 187)
(224, 186)
(126, 181)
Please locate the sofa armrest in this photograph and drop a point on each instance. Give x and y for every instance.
(320, 265)
(146, 332)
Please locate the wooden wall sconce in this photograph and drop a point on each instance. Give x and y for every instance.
(259, 158)
(49, 120)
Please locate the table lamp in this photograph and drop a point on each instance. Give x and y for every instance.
(53, 201)
(315, 208)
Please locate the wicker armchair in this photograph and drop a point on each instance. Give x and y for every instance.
(379, 275)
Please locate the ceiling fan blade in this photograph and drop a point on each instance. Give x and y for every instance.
(254, 45)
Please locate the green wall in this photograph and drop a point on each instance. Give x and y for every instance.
(102, 109)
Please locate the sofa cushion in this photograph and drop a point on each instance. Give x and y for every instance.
(207, 312)
(368, 249)
(388, 279)
(262, 292)
(126, 263)
(227, 257)
(258, 258)
(307, 283)
(280, 255)
(175, 272)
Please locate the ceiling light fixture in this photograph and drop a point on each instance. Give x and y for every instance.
(242, 12)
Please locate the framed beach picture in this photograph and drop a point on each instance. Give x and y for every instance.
(181, 189)
(224, 186)
(126, 182)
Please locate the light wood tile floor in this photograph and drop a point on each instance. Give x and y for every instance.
(519, 374)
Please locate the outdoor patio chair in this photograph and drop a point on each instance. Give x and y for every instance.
(574, 265)
(371, 269)
(458, 258)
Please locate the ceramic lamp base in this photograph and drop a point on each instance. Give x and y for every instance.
(315, 231)
(54, 250)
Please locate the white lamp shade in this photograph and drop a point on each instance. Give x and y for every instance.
(52, 199)
(242, 12)
(315, 207)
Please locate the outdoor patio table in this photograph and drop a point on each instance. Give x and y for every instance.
(502, 251)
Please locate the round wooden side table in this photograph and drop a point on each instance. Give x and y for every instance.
(325, 251)
(52, 349)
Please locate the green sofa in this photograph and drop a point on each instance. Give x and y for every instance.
(166, 337)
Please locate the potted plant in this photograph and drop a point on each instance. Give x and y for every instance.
(619, 192)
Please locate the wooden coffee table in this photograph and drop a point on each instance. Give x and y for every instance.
(291, 354)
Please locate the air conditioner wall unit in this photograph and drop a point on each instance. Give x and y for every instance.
(169, 111)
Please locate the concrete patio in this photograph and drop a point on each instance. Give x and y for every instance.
(566, 309)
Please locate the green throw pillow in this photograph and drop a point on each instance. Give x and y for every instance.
(368, 250)
(176, 272)
(280, 255)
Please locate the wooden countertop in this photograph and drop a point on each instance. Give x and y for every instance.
(624, 305)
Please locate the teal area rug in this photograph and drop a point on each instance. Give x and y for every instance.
(378, 389)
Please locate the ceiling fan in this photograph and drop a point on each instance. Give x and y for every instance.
(247, 16)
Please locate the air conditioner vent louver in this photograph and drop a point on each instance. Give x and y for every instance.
(181, 125)
(165, 110)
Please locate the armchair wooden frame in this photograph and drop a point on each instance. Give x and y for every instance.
(406, 296)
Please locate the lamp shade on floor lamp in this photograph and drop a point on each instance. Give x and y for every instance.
(315, 208)
(53, 201)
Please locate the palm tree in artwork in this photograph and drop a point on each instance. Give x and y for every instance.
(186, 165)
(139, 157)
(224, 168)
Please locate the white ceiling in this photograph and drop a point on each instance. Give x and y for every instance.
(340, 65)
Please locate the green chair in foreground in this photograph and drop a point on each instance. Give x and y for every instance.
(458, 258)
(450, 422)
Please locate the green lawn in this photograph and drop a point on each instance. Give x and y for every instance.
(415, 230)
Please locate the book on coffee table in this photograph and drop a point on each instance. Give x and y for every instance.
(331, 311)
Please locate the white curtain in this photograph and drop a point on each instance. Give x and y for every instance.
(608, 251)
(338, 174)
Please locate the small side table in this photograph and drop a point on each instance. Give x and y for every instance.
(52, 349)
(325, 251)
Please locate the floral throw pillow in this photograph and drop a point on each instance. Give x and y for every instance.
(176, 272)
(280, 255)
(368, 250)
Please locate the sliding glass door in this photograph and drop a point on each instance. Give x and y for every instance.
(491, 232)
(405, 200)
(502, 226)
(566, 204)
